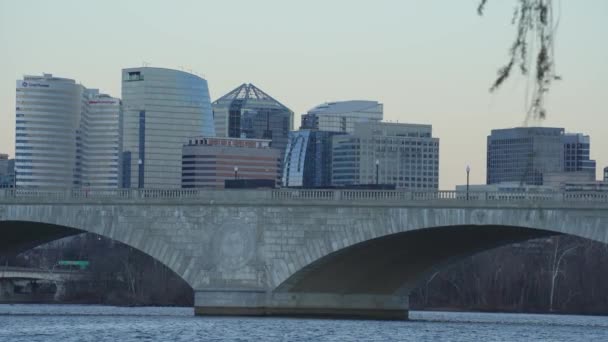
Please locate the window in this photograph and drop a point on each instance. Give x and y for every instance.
(135, 76)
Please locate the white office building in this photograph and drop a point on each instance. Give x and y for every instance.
(162, 108)
(58, 122)
(342, 116)
(48, 112)
(405, 155)
(100, 142)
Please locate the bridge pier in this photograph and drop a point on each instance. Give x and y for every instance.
(322, 305)
(7, 288)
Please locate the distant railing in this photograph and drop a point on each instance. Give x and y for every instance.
(83, 195)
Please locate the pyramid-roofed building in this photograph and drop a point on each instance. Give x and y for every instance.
(249, 112)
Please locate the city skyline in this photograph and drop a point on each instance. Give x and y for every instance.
(385, 61)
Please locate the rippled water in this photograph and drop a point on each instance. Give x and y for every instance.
(103, 323)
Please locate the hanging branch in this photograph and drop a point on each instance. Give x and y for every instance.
(535, 33)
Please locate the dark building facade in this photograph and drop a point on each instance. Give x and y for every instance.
(527, 154)
(307, 161)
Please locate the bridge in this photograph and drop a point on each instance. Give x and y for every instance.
(300, 252)
(51, 275)
(10, 277)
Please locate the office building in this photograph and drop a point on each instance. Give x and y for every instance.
(528, 154)
(341, 116)
(307, 161)
(248, 112)
(7, 171)
(48, 112)
(59, 129)
(162, 108)
(100, 142)
(207, 162)
(405, 155)
(3, 164)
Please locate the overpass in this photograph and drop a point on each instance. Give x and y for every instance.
(12, 277)
(51, 275)
(300, 252)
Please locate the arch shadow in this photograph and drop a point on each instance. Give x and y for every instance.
(21, 236)
(396, 263)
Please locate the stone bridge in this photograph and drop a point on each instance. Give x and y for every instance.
(300, 252)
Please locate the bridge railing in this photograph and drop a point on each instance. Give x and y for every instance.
(84, 195)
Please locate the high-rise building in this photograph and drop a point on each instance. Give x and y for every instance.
(529, 154)
(207, 162)
(162, 108)
(100, 142)
(3, 164)
(62, 136)
(405, 155)
(48, 113)
(7, 171)
(248, 112)
(606, 174)
(307, 161)
(342, 116)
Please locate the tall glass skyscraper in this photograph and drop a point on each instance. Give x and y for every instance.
(248, 112)
(527, 154)
(162, 108)
(342, 116)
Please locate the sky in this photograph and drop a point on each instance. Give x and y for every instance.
(427, 61)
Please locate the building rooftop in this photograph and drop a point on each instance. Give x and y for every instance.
(249, 92)
(342, 107)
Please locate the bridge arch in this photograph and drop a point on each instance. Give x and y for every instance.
(21, 235)
(389, 254)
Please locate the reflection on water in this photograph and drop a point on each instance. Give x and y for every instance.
(67, 323)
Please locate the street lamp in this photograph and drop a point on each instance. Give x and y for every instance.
(236, 172)
(468, 171)
(377, 167)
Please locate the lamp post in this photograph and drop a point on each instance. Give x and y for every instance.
(377, 168)
(468, 171)
(236, 172)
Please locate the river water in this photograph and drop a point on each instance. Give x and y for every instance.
(68, 323)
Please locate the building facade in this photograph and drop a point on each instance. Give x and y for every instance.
(404, 155)
(307, 161)
(527, 154)
(48, 111)
(248, 112)
(3, 164)
(341, 116)
(59, 129)
(207, 162)
(100, 142)
(162, 108)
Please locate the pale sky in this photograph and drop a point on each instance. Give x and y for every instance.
(427, 61)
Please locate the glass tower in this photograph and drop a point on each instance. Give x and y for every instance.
(248, 112)
(162, 108)
(307, 160)
(342, 116)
